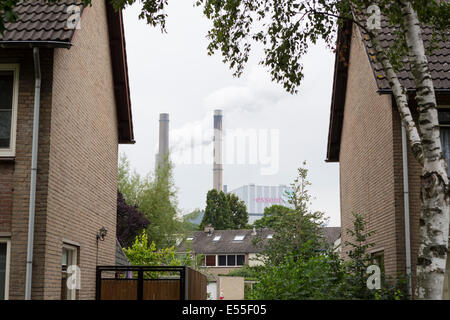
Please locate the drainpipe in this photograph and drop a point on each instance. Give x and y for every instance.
(34, 156)
(406, 206)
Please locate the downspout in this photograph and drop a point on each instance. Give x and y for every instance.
(406, 206)
(34, 158)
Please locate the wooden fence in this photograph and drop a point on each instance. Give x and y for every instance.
(149, 283)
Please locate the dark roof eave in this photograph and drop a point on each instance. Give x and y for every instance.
(120, 75)
(31, 44)
(339, 91)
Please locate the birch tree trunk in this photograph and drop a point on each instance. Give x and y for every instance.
(427, 149)
(434, 220)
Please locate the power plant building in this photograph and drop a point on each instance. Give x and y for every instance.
(257, 198)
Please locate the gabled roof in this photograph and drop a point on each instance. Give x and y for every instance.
(331, 234)
(204, 243)
(439, 63)
(45, 25)
(40, 22)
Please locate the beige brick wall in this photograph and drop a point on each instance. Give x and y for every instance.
(15, 175)
(83, 155)
(77, 166)
(371, 165)
(367, 170)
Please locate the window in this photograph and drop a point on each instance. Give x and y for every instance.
(378, 259)
(238, 238)
(240, 259)
(9, 79)
(216, 238)
(69, 258)
(231, 260)
(222, 260)
(211, 261)
(444, 121)
(4, 268)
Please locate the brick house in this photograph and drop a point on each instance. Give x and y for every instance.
(84, 113)
(223, 251)
(365, 137)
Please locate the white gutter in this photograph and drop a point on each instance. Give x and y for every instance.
(34, 156)
(406, 206)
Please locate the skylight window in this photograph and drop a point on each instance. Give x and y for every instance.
(270, 236)
(216, 238)
(238, 238)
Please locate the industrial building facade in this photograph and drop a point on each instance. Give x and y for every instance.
(257, 198)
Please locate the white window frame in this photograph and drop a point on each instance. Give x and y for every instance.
(8, 263)
(73, 250)
(11, 151)
(226, 260)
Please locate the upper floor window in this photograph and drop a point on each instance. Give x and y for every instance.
(4, 268)
(444, 121)
(9, 80)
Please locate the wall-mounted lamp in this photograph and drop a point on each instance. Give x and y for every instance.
(101, 234)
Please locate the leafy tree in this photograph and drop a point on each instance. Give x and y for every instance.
(143, 253)
(298, 279)
(286, 29)
(354, 284)
(239, 215)
(217, 211)
(156, 199)
(224, 211)
(325, 275)
(271, 216)
(130, 222)
(360, 259)
(297, 231)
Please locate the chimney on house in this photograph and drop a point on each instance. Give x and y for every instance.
(217, 168)
(163, 138)
(209, 229)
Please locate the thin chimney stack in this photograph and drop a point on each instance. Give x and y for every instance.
(163, 139)
(217, 168)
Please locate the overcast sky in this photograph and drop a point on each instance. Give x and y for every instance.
(172, 73)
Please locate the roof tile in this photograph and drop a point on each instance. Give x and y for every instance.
(438, 61)
(41, 22)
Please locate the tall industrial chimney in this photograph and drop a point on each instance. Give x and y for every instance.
(163, 138)
(217, 169)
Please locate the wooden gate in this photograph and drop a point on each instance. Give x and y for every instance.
(149, 283)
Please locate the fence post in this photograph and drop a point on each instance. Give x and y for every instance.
(186, 283)
(140, 286)
(98, 284)
(182, 284)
